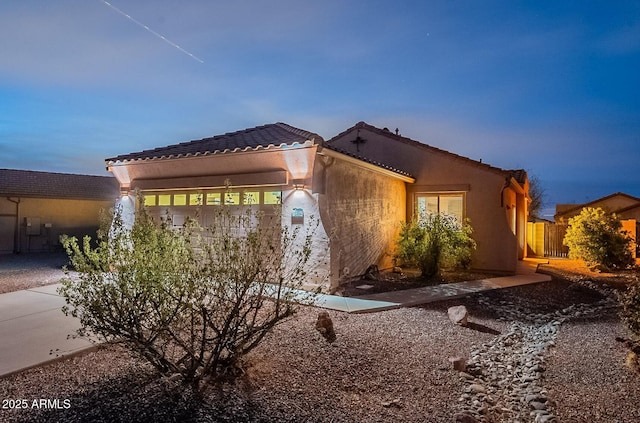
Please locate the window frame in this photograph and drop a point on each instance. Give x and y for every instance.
(439, 195)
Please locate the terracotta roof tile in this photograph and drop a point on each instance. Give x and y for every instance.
(517, 174)
(28, 183)
(265, 136)
(365, 159)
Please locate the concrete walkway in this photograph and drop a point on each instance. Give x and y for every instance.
(33, 329)
(525, 274)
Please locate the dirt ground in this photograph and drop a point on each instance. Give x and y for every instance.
(383, 367)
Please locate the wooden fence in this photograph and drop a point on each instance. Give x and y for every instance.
(553, 237)
(544, 239)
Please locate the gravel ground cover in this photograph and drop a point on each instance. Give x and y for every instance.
(24, 271)
(391, 366)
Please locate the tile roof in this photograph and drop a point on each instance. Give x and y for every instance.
(265, 136)
(571, 208)
(518, 175)
(28, 183)
(365, 159)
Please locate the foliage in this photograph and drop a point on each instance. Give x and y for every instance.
(537, 194)
(434, 242)
(631, 307)
(191, 301)
(596, 237)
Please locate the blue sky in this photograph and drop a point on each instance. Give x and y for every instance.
(548, 86)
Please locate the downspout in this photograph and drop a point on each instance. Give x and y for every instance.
(16, 231)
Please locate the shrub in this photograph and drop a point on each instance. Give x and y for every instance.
(596, 237)
(191, 301)
(434, 242)
(631, 308)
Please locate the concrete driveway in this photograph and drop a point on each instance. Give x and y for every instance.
(33, 329)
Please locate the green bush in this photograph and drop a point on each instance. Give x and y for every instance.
(596, 237)
(191, 301)
(631, 308)
(434, 242)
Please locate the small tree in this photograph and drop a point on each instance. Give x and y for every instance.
(537, 194)
(191, 301)
(596, 237)
(435, 241)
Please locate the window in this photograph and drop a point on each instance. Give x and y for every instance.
(164, 199)
(231, 198)
(213, 199)
(451, 204)
(180, 199)
(150, 200)
(251, 198)
(273, 197)
(195, 199)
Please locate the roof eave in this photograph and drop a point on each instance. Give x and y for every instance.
(361, 163)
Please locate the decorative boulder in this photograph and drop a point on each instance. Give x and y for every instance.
(458, 315)
(324, 325)
(458, 363)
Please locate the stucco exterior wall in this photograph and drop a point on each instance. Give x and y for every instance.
(318, 266)
(288, 169)
(50, 218)
(361, 212)
(486, 196)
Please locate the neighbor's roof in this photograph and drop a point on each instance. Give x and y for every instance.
(261, 137)
(28, 183)
(563, 209)
(519, 175)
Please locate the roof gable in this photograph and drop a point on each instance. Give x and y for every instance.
(28, 183)
(564, 209)
(265, 136)
(519, 175)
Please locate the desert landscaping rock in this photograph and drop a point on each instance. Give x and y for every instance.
(511, 365)
(458, 315)
(537, 356)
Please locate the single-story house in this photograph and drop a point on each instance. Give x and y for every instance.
(360, 191)
(37, 207)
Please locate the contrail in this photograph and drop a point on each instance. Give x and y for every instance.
(162, 37)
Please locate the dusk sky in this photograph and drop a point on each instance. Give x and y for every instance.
(552, 87)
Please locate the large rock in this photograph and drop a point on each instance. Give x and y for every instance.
(324, 325)
(458, 315)
(458, 363)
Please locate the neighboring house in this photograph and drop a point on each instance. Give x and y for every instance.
(625, 206)
(37, 207)
(360, 196)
